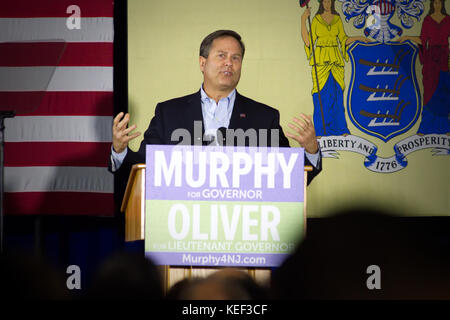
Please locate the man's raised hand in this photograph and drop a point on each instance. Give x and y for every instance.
(121, 135)
(305, 133)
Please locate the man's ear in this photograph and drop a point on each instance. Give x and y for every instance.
(202, 62)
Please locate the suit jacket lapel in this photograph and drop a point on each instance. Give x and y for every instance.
(239, 116)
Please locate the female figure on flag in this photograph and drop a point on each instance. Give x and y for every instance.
(434, 56)
(329, 45)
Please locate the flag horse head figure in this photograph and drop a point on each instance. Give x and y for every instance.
(374, 16)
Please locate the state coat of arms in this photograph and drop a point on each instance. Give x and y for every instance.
(383, 97)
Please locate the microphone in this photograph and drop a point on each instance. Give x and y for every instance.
(208, 140)
(221, 136)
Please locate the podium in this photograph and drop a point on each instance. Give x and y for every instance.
(133, 205)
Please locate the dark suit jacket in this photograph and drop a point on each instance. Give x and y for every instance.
(182, 112)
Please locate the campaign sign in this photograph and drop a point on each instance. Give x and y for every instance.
(223, 206)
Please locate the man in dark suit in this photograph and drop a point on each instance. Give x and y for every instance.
(216, 106)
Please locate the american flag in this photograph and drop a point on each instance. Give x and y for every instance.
(56, 156)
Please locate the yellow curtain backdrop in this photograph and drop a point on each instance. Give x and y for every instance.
(163, 44)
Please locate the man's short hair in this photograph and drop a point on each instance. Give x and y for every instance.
(205, 46)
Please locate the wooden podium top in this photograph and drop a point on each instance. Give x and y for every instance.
(130, 182)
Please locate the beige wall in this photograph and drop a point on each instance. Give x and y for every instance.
(163, 43)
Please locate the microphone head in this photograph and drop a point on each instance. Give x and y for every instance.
(208, 139)
(221, 136)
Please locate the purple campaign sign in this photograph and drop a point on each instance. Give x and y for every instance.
(205, 173)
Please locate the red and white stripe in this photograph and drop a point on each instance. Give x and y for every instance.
(386, 7)
(57, 147)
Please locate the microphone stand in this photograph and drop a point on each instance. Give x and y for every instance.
(3, 116)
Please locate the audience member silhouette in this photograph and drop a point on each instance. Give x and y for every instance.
(358, 253)
(244, 280)
(30, 277)
(333, 261)
(127, 276)
(226, 284)
(175, 292)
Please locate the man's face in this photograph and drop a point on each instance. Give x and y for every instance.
(222, 69)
